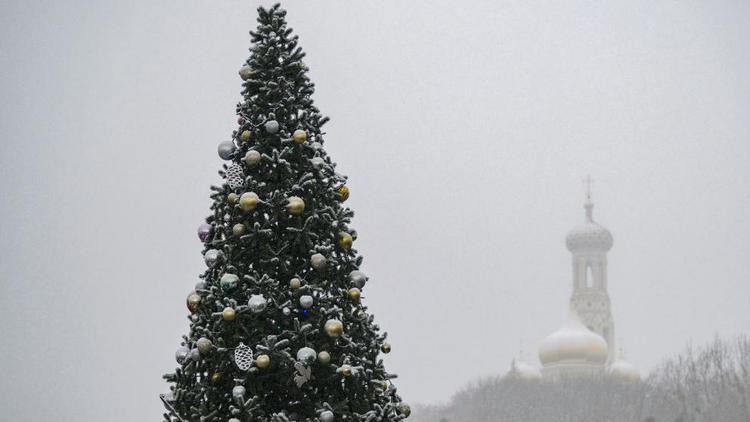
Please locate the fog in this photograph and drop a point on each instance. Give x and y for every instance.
(465, 130)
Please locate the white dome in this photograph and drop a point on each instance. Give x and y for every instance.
(624, 371)
(573, 343)
(524, 371)
(589, 235)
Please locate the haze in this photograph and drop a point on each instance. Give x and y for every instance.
(465, 129)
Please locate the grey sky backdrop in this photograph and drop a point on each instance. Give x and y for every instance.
(465, 130)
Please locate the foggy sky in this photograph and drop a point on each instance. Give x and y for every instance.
(465, 131)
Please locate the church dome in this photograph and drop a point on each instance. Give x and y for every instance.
(589, 235)
(573, 343)
(523, 371)
(624, 371)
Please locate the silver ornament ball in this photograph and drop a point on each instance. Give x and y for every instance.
(257, 304)
(306, 355)
(358, 279)
(252, 158)
(226, 150)
(238, 391)
(213, 256)
(182, 354)
(271, 126)
(318, 261)
(306, 301)
(327, 416)
(229, 282)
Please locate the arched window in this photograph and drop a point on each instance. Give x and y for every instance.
(589, 276)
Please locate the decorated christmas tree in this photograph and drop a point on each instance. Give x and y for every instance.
(278, 330)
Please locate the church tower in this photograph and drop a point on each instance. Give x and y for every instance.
(589, 243)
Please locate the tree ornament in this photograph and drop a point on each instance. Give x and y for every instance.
(246, 72)
(317, 162)
(204, 345)
(229, 282)
(343, 193)
(226, 150)
(299, 136)
(306, 301)
(318, 261)
(354, 294)
(216, 377)
(327, 416)
(346, 370)
(345, 241)
(212, 257)
(358, 278)
(204, 232)
(252, 158)
(257, 304)
(262, 361)
(303, 375)
(306, 355)
(271, 126)
(295, 283)
(296, 205)
(195, 355)
(232, 198)
(238, 229)
(324, 357)
(249, 201)
(245, 135)
(334, 328)
(193, 301)
(386, 347)
(235, 176)
(182, 354)
(243, 357)
(238, 392)
(228, 314)
(404, 409)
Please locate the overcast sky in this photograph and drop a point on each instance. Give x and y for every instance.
(465, 131)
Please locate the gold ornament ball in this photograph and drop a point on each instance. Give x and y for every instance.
(216, 377)
(245, 136)
(228, 314)
(343, 192)
(334, 328)
(299, 136)
(262, 361)
(249, 201)
(238, 229)
(296, 205)
(295, 283)
(354, 294)
(386, 348)
(193, 301)
(346, 370)
(232, 198)
(404, 409)
(345, 240)
(324, 357)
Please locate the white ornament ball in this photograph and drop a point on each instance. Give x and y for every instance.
(252, 158)
(195, 355)
(306, 301)
(246, 72)
(272, 126)
(238, 391)
(257, 304)
(306, 355)
(318, 261)
(226, 149)
(327, 416)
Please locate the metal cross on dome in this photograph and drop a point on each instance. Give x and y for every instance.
(588, 181)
